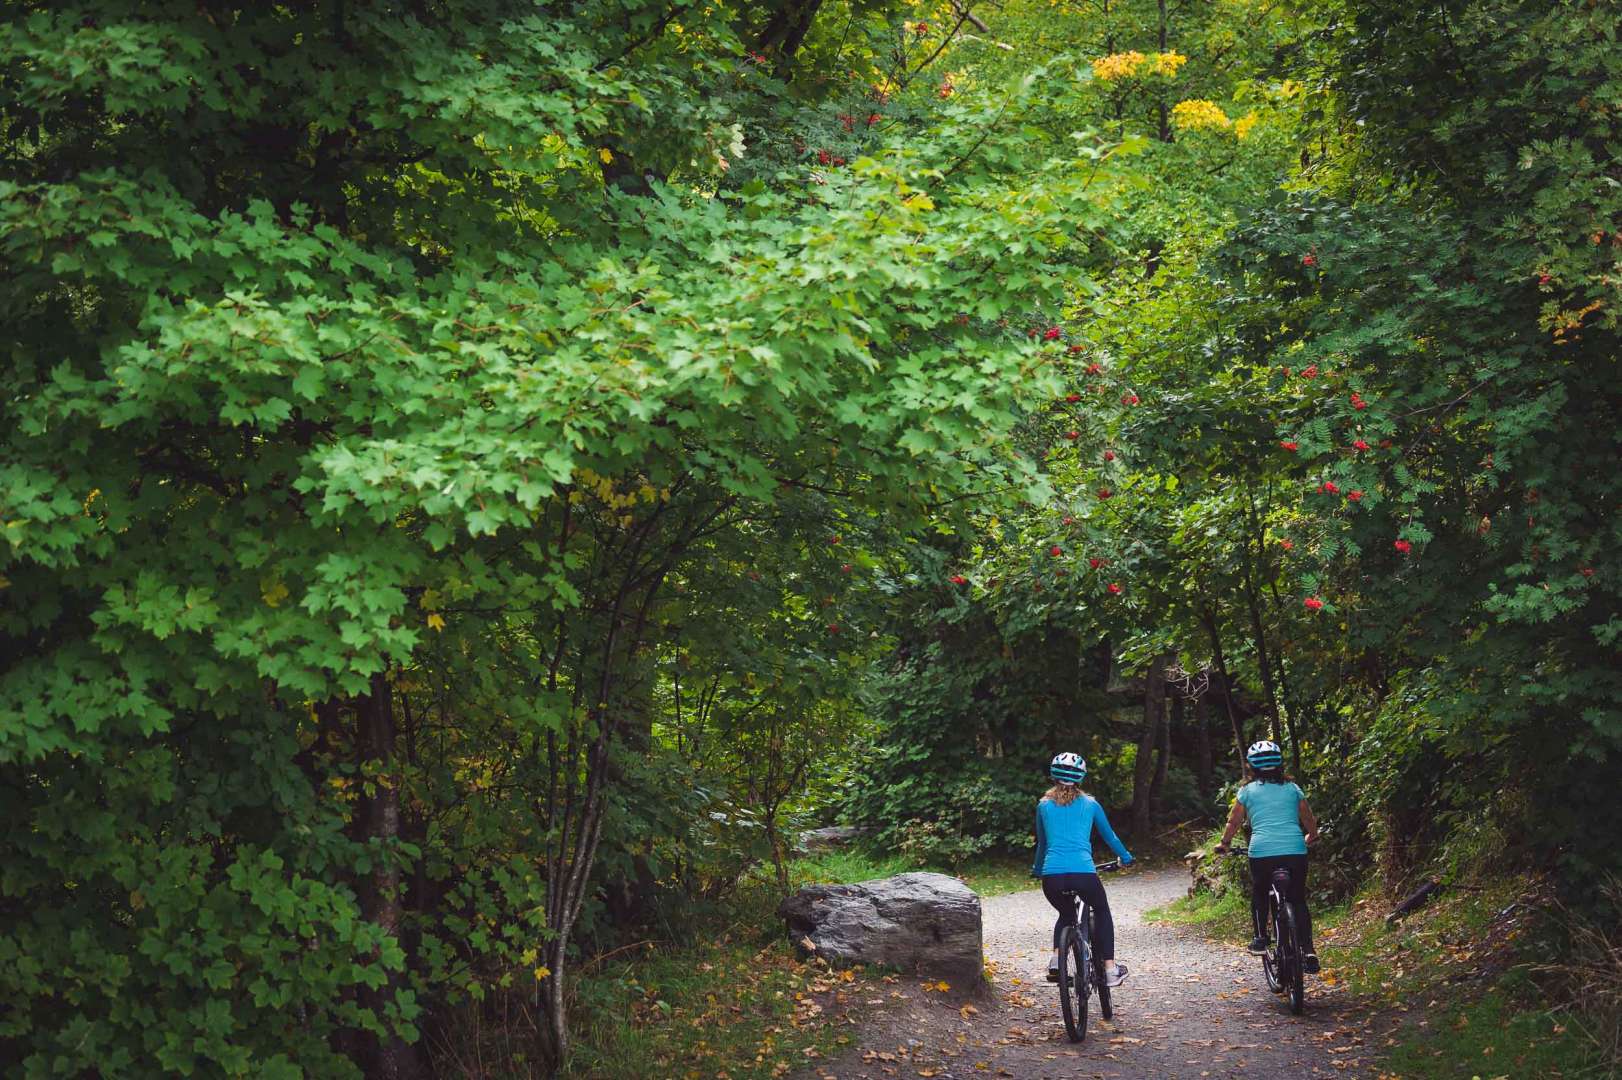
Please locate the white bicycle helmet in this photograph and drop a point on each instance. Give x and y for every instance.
(1265, 755)
(1067, 768)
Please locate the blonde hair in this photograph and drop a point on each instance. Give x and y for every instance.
(1063, 794)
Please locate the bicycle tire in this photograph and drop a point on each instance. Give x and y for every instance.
(1072, 997)
(1270, 968)
(1082, 953)
(1291, 973)
(1105, 1009)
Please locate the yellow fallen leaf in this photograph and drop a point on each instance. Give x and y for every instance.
(606, 155)
(541, 973)
(436, 621)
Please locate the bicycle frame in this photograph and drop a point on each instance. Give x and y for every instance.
(1075, 943)
(1282, 961)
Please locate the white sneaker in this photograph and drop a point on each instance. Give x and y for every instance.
(1116, 977)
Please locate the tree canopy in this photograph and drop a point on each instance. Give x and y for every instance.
(473, 471)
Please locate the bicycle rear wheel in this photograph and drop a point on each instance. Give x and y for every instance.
(1290, 969)
(1073, 978)
(1270, 960)
(1105, 1009)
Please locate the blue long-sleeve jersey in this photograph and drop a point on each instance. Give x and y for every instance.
(1064, 836)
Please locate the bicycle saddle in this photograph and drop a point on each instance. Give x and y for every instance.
(1281, 879)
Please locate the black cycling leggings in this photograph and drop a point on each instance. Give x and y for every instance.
(1054, 886)
(1261, 878)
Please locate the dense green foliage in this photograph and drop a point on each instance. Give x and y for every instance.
(475, 478)
(1337, 422)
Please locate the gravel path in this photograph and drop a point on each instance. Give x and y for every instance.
(1190, 1007)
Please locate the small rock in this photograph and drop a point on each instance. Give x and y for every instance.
(831, 837)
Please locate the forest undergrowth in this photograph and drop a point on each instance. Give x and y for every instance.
(1485, 977)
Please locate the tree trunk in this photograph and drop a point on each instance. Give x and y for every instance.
(1253, 607)
(1154, 700)
(779, 863)
(1209, 618)
(1264, 665)
(1157, 787)
(1205, 765)
(389, 1057)
(784, 32)
(1295, 745)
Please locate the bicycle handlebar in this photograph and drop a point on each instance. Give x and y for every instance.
(1104, 868)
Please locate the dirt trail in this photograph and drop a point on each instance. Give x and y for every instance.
(1190, 1007)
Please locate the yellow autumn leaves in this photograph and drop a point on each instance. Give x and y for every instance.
(530, 956)
(1197, 114)
(1126, 64)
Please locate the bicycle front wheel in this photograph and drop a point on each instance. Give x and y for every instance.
(1073, 978)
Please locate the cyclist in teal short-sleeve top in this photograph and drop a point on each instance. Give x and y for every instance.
(1281, 828)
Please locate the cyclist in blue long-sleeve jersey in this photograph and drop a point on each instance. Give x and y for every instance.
(1065, 819)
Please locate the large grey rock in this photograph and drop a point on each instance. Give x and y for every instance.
(920, 922)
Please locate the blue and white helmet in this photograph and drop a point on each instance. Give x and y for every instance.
(1265, 755)
(1067, 768)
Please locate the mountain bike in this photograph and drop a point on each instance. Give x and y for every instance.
(1281, 961)
(1080, 972)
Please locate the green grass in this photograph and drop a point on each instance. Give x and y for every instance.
(1226, 917)
(844, 865)
(1493, 1035)
(995, 877)
(988, 876)
(700, 1009)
